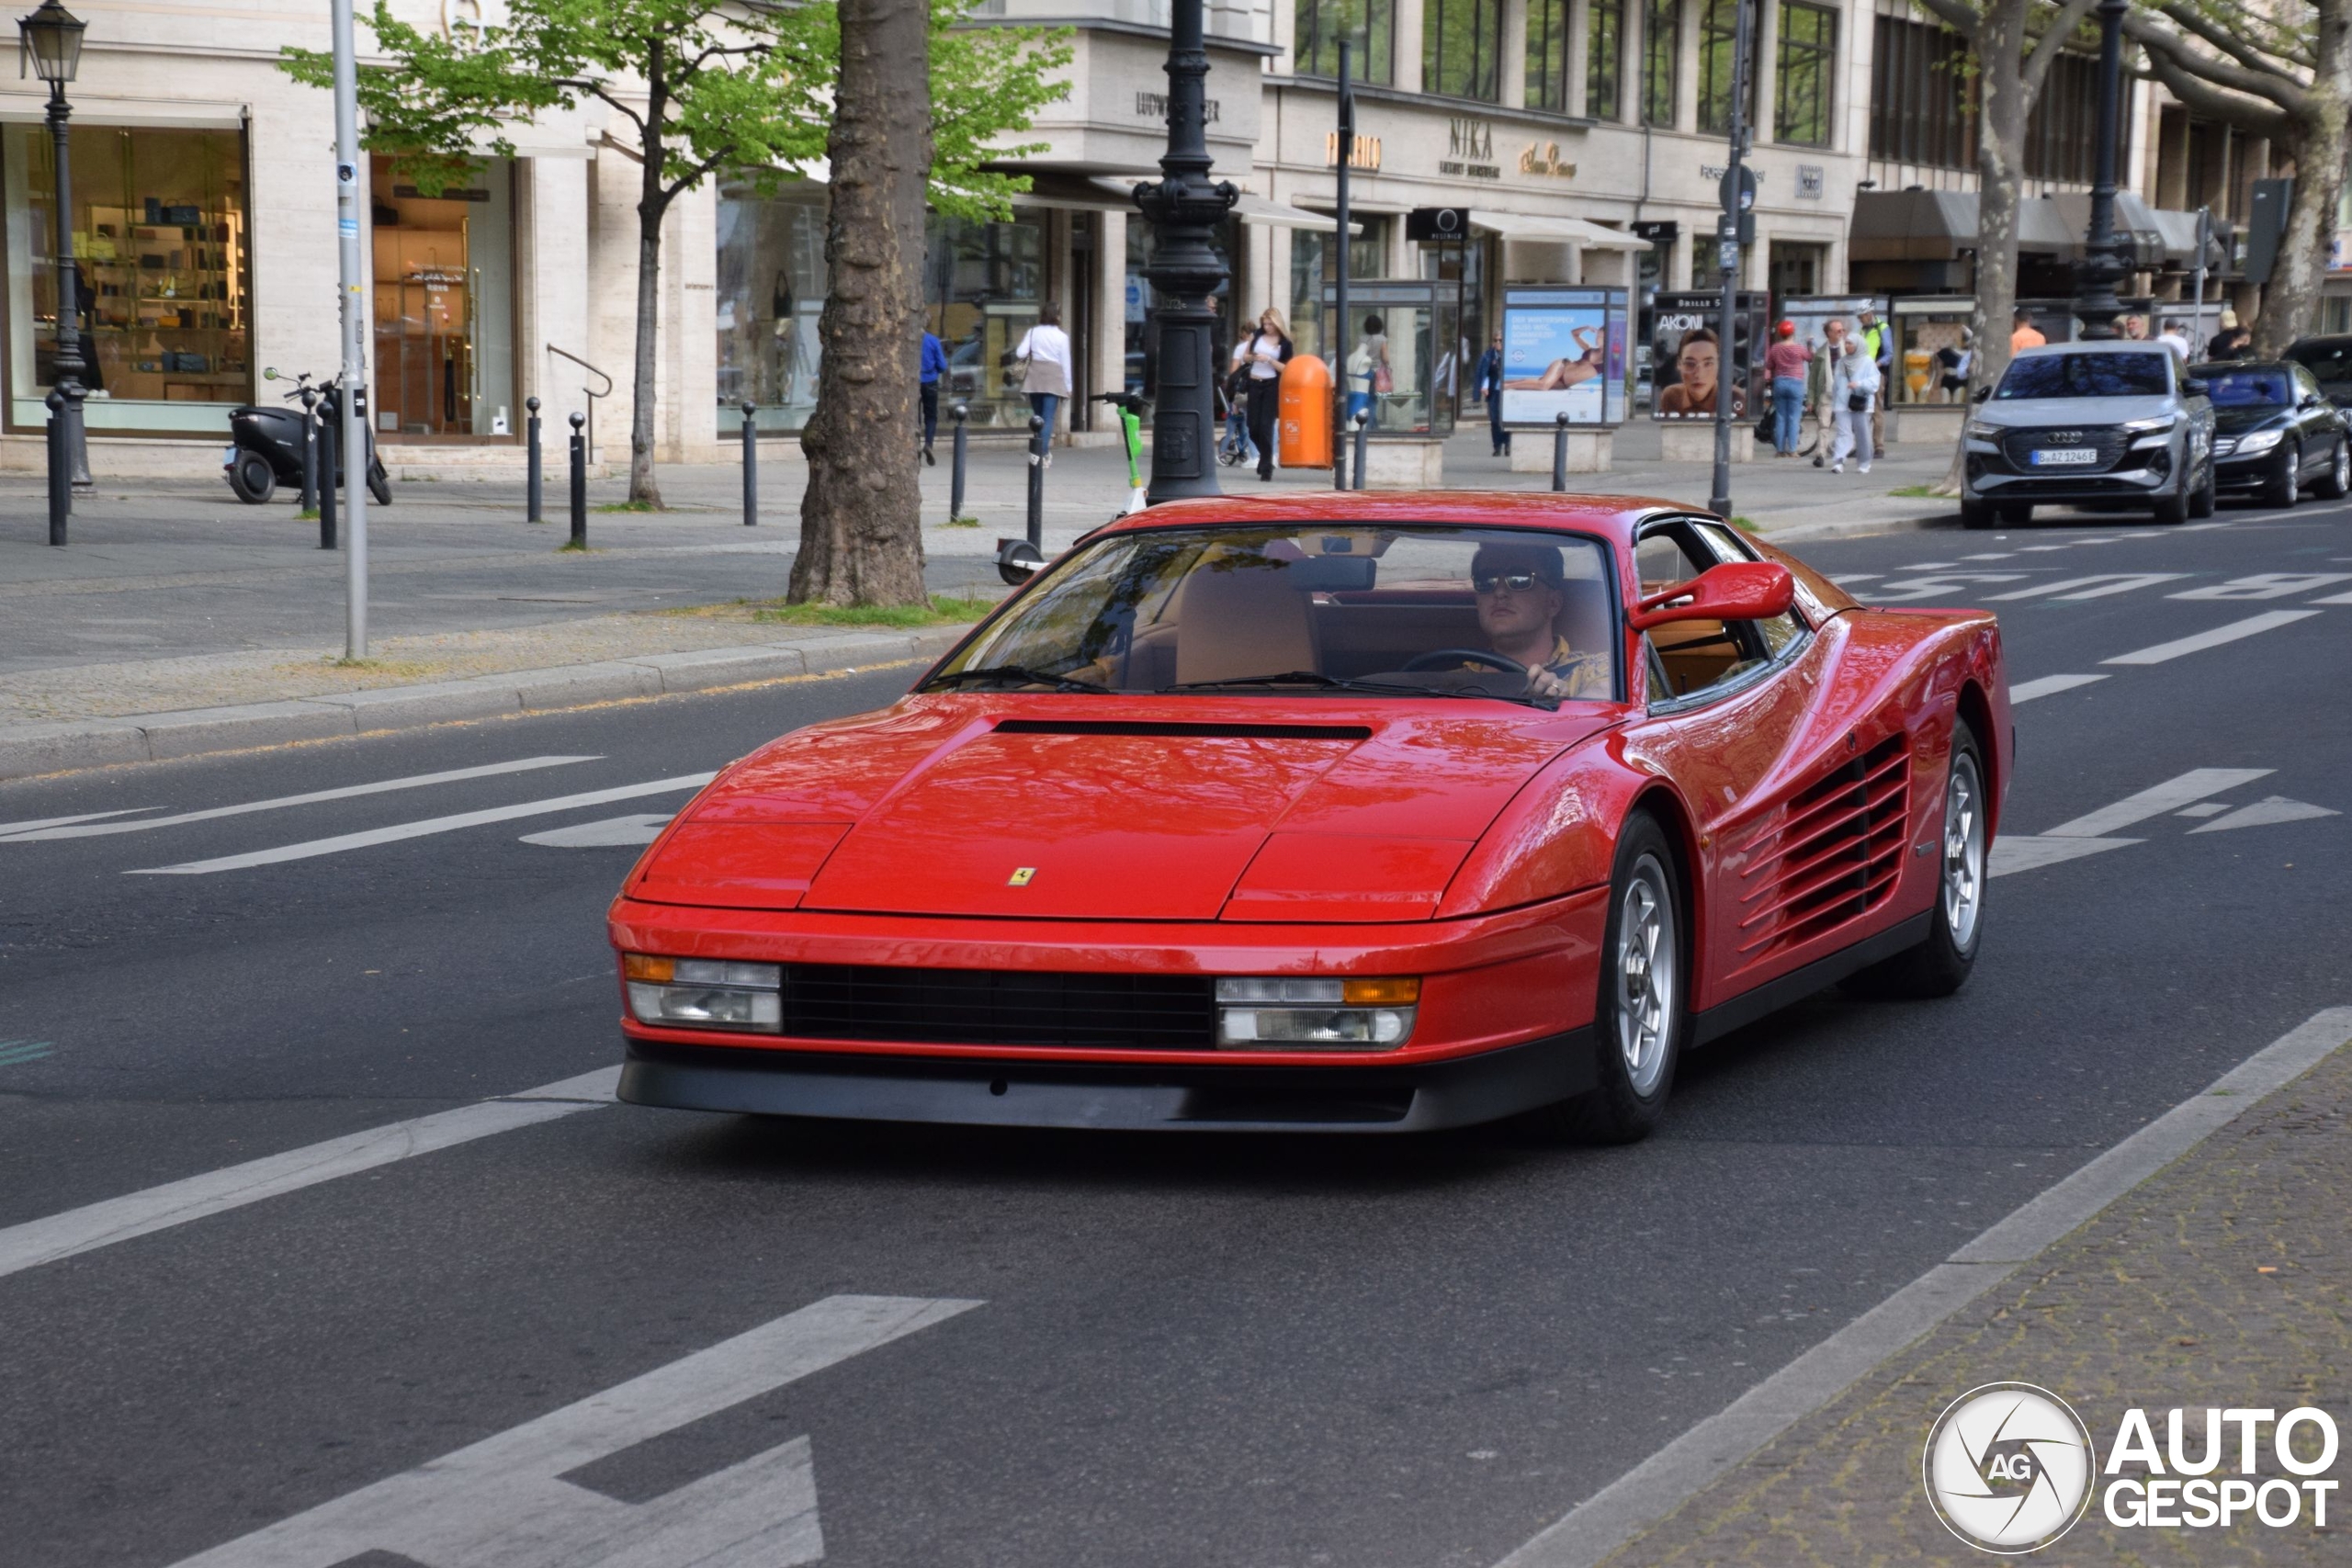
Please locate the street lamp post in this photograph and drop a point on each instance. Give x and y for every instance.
(50, 39)
(2102, 264)
(1184, 209)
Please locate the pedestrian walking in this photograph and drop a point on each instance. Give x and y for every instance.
(1816, 389)
(1879, 340)
(1368, 371)
(935, 366)
(2023, 334)
(1488, 382)
(1236, 447)
(1786, 363)
(1262, 355)
(2176, 337)
(1854, 386)
(1043, 356)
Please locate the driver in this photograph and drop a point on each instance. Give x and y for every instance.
(1520, 590)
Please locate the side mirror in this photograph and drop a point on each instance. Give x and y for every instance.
(1979, 395)
(2195, 387)
(1736, 591)
(269, 372)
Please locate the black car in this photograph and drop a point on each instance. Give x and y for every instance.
(2329, 359)
(2275, 433)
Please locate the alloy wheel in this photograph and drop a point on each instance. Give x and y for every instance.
(1963, 889)
(1647, 979)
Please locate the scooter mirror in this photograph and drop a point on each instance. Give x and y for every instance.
(269, 372)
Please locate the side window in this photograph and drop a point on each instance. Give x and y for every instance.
(2306, 384)
(1777, 634)
(1690, 656)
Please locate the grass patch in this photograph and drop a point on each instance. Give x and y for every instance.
(1745, 526)
(627, 506)
(961, 523)
(570, 547)
(306, 514)
(1929, 492)
(945, 610)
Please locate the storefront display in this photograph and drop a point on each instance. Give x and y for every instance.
(1931, 348)
(1687, 358)
(1563, 353)
(444, 294)
(160, 232)
(1399, 368)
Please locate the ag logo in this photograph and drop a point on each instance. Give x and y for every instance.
(2008, 1468)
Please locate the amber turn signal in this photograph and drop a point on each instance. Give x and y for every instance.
(1381, 993)
(645, 967)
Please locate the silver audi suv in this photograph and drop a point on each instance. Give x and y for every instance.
(2094, 425)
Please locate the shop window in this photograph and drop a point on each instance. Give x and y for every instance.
(1369, 25)
(1314, 263)
(160, 231)
(444, 304)
(1661, 53)
(1808, 53)
(770, 290)
(1462, 48)
(1718, 48)
(1604, 40)
(982, 284)
(1547, 56)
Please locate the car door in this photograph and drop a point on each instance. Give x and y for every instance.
(2316, 422)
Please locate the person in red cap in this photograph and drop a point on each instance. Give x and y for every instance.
(1785, 363)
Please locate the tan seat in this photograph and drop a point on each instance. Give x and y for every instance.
(1244, 621)
(1584, 617)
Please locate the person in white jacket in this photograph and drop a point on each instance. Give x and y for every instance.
(1046, 373)
(1854, 386)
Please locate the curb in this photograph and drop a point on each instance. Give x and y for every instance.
(1799, 531)
(27, 750)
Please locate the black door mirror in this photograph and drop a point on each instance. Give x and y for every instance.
(1979, 395)
(2195, 387)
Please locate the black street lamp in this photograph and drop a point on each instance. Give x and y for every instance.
(50, 39)
(2102, 264)
(1184, 209)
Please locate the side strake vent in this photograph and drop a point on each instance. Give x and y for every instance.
(1180, 729)
(1836, 855)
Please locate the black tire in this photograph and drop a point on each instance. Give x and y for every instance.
(2338, 482)
(1940, 965)
(2015, 514)
(1975, 513)
(252, 479)
(2208, 494)
(1630, 1100)
(379, 485)
(2285, 486)
(2172, 511)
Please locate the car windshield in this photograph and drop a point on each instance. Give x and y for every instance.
(2088, 375)
(1391, 610)
(2263, 386)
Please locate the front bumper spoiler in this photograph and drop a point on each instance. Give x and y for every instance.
(1142, 1096)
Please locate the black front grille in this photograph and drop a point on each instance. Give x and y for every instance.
(999, 1007)
(2108, 440)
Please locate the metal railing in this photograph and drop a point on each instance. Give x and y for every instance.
(593, 393)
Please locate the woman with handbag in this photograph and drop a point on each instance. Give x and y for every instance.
(1261, 357)
(1043, 355)
(1854, 384)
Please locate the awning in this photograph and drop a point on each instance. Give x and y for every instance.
(1250, 209)
(1934, 225)
(1556, 232)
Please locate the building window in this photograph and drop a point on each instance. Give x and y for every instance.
(160, 232)
(1808, 56)
(1923, 99)
(1718, 49)
(1369, 25)
(445, 303)
(1661, 53)
(1461, 48)
(2062, 132)
(770, 289)
(1604, 38)
(1547, 56)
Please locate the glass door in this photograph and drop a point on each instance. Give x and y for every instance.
(444, 273)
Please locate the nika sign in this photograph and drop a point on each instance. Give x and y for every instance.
(1470, 150)
(1364, 155)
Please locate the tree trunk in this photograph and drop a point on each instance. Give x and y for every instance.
(653, 204)
(1999, 42)
(2290, 299)
(861, 514)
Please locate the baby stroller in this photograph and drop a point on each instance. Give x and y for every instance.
(1235, 447)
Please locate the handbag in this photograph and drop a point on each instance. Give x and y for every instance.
(1382, 382)
(1860, 402)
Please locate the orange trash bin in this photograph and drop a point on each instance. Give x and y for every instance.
(1304, 437)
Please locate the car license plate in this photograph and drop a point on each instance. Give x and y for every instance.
(228, 457)
(2064, 457)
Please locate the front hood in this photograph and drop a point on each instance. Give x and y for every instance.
(2036, 413)
(2238, 422)
(1186, 810)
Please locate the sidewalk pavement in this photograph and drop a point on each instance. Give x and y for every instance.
(2222, 1282)
(173, 600)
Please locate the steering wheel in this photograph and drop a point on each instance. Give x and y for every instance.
(1437, 658)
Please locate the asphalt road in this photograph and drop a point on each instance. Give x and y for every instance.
(1222, 1350)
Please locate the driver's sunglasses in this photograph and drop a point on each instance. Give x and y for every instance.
(1495, 581)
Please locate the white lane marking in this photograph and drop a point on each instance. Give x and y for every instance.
(612, 832)
(1907, 589)
(1670, 1477)
(415, 781)
(2269, 620)
(2266, 585)
(2025, 852)
(2202, 809)
(2335, 599)
(36, 1242)
(9, 830)
(504, 1502)
(430, 825)
(1990, 555)
(2050, 685)
(2267, 812)
(2041, 550)
(2098, 587)
(2170, 795)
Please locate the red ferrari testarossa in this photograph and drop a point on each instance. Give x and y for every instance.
(1341, 813)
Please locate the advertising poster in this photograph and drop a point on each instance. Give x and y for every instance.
(1688, 364)
(1564, 351)
(1814, 313)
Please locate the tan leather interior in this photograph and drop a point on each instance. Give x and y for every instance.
(1242, 622)
(1696, 653)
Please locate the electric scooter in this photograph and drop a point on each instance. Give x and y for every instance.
(1129, 406)
(265, 444)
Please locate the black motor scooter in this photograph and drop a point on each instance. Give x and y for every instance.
(266, 446)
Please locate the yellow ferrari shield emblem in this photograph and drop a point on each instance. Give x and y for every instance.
(1021, 875)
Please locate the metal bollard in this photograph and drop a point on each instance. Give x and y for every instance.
(330, 440)
(1559, 452)
(60, 479)
(1037, 439)
(1364, 441)
(962, 412)
(579, 483)
(535, 501)
(751, 468)
(309, 499)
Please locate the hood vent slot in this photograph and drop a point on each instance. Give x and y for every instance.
(1180, 730)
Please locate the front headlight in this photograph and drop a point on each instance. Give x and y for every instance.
(2140, 427)
(1329, 1014)
(1980, 431)
(2258, 441)
(704, 993)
